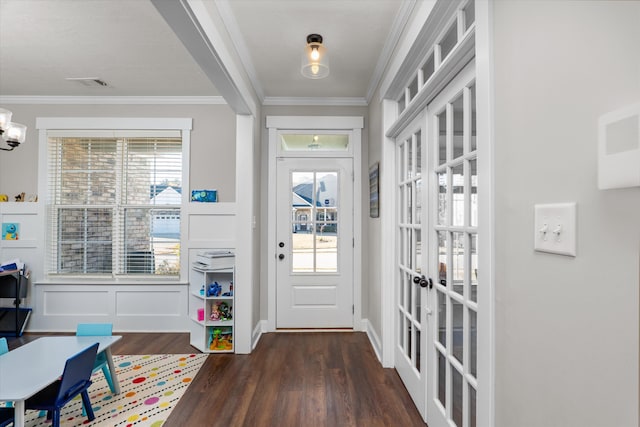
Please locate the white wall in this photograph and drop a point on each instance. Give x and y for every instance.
(212, 143)
(566, 328)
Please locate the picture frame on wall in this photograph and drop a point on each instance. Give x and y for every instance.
(374, 190)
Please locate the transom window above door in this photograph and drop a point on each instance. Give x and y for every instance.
(314, 143)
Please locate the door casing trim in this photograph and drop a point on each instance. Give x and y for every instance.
(311, 124)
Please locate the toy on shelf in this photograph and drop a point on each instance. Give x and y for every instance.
(220, 311)
(215, 312)
(214, 289)
(230, 293)
(220, 339)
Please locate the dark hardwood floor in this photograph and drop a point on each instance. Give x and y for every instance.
(305, 379)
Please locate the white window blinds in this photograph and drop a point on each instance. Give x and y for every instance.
(114, 205)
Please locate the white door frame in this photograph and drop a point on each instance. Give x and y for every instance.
(353, 124)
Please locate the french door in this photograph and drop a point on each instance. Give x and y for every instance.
(452, 350)
(315, 243)
(411, 293)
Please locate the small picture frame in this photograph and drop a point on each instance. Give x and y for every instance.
(10, 231)
(374, 190)
(204, 196)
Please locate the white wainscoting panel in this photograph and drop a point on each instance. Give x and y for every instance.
(130, 307)
(155, 303)
(75, 303)
(212, 227)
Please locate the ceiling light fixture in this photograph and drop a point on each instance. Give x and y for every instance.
(12, 133)
(315, 62)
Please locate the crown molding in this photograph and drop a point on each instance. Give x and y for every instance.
(315, 101)
(113, 100)
(397, 27)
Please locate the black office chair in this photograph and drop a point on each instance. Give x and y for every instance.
(75, 380)
(6, 416)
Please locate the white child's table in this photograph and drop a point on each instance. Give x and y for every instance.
(33, 366)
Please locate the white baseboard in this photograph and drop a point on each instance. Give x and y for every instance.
(373, 338)
(261, 327)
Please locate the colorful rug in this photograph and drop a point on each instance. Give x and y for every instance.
(150, 387)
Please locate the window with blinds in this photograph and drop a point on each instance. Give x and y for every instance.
(114, 205)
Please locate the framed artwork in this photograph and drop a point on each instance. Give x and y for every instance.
(10, 230)
(374, 190)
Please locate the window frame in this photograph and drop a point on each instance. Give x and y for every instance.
(114, 124)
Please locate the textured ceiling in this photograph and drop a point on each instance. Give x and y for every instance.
(127, 44)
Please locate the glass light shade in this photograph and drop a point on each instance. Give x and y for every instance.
(16, 133)
(5, 119)
(315, 62)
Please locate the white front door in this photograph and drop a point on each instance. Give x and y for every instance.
(452, 349)
(314, 272)
(410, 286)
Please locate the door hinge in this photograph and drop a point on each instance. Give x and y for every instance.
(353, 242)
(353, 309)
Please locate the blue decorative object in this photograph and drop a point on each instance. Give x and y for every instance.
(204, 196)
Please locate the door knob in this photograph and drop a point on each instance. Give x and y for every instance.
(423, 281)
(281, 256)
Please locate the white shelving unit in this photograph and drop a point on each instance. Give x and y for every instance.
(211, 311)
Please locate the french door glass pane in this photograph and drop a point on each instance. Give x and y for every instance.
(418, 201)
(418, 234)
(456, 398)
(472, 140)
(457, 347)
(402, 292)
(473, 292)
(409, 188)
(472, 406)
(418, 350)
(442, 257)
(458, 251)
(458, 195)
(458, 124)
(442, 379)
(410, 294)
(418, 302)
(408, 338)
(442, 318)
(442, 198)
(442, 137)
(473, 342)
(418, 152)
(409, 170)
(473, 205)
(411, 254)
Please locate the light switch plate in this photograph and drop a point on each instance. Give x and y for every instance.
(555, 228)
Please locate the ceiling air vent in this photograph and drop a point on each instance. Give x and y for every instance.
(88, 81)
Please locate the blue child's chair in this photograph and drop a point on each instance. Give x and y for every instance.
(6, 416)
(4, 348)
(75, 380)
(98, 329)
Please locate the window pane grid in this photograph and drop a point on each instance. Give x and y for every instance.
(456, 228)
(93, 229)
